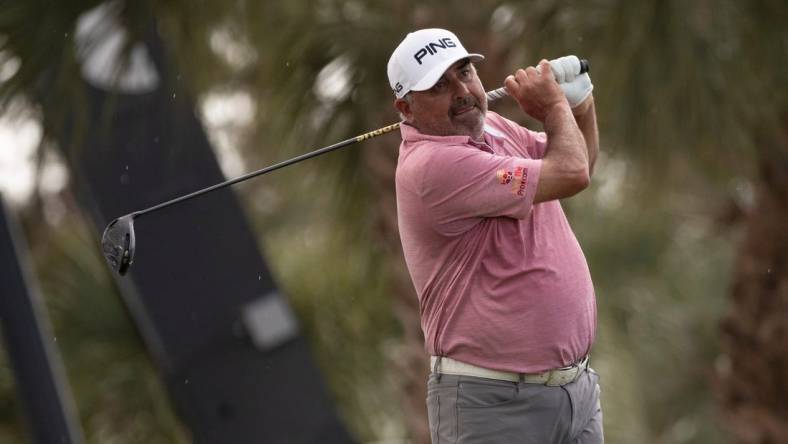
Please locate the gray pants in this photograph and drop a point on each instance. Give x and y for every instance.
(470, 410)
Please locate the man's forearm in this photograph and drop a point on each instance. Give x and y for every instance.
(565, 163)
(585, 115)
(564, 171)
(564, 140)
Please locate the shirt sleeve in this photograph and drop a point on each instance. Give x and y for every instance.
(539, 143)
(531, 142)
(462, 185)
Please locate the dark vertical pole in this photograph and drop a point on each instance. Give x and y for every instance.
(40, 379)
(224, 337)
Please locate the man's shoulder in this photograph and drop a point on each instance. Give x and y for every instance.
(418, 155)
(521, 136)
(413, 156)
(500, 123)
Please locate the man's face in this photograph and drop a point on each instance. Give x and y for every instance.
(455, 105)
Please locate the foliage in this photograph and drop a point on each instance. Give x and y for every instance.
(117, 391)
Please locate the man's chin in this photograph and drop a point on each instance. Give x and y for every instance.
(470, 123)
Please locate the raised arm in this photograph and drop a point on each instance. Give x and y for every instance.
(585, 116)
(565, 166)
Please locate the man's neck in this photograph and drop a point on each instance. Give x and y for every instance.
(477, 136)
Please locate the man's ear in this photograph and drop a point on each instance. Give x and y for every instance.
(403, 107)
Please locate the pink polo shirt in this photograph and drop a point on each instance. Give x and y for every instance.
(502, 283)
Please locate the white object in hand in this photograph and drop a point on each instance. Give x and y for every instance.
(576, 86)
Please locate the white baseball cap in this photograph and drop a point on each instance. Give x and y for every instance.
(422, 58)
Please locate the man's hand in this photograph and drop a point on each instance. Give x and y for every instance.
(536, 90)
(577, 87)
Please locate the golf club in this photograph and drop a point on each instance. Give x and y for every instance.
(118, 242)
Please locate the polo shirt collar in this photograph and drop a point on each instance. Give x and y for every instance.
(412, 135)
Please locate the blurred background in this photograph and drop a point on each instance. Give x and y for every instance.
(685, 225)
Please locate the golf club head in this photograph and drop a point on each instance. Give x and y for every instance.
(118, 243)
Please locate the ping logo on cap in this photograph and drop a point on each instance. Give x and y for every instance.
(432, 48)
(406, 76)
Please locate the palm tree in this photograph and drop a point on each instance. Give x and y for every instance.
(699, 91)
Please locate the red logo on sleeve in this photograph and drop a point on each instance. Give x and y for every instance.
(504, 176)
(519, 180)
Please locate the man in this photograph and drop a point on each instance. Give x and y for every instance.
(507, 304)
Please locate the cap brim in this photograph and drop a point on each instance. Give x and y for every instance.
(429, 80)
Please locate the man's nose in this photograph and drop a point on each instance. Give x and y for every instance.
(460, 89)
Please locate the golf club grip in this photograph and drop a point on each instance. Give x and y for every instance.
(501, 92)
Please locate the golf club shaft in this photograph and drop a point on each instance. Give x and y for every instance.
(491, 96)
(268, 169)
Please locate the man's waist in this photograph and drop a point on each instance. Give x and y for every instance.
(555, 377)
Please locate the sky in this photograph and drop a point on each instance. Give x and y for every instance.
(19, 138)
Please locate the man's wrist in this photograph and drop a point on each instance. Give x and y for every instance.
(584, 106)
(557, 109)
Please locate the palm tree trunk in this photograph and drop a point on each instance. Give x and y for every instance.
(753, 382)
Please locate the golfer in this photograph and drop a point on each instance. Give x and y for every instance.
(507, 303)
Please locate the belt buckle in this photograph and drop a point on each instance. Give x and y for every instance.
(562, 376)
(556, 378)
